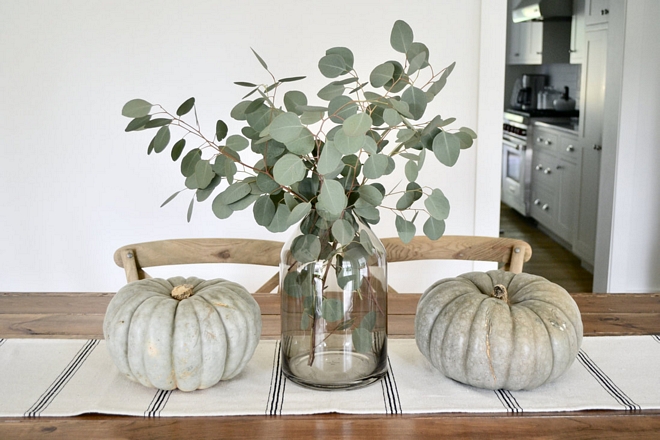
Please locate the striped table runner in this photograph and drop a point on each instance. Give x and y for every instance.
(46, 377)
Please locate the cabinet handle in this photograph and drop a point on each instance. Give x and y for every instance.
(539, 53)
(548, 142)
(547, 171)
(598, 147)
(604, 11)
(570, 148)
(545, 207)
(537, 202)
(559, 167)
(539, 167)
(572, 50)
(539, 139)
(516, 54)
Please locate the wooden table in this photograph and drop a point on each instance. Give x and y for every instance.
(80, 315)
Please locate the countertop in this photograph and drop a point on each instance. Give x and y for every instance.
(570, 127)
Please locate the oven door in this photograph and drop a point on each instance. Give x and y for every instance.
(513, 174)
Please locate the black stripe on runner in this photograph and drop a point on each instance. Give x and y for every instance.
(392, 390)
(606, 382)
(157, 404)
(508, 400)
(65, 376)
(655, 337)
(2, 341)
(277, 384)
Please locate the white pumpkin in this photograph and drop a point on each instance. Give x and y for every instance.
(498, 330)
(190, 343)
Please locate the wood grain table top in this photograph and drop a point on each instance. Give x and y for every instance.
(80, 315)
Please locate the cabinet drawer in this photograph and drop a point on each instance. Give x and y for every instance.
(544, 170)
(544, 206)
(544, 140)
(569, 149)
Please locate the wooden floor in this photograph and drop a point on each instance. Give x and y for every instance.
(549, 259)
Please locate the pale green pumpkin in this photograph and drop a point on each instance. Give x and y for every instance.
(498, 330)
(189, 344)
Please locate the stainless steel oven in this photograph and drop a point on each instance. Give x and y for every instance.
(516, 163)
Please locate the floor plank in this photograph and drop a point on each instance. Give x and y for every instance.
(549, 259)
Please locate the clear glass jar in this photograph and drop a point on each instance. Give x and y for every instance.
(334, 304)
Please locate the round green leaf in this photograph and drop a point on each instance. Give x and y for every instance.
(289, 169)
(381, 74)
(136, 108)
(203, 173)
(405, 229)
(246, 201)
(341, 108)
(405, 201)
(280, 221)
(343, 231)
(417, 55)
(433, 228)
(401, 37)
(330, 91)
(446, 148)
(437, 205)
(416, 99)
(332, 66)
(221, 130)
(137, 123)
(237, 142)
(411, 170)
(345, 53)
(366, 210)
(306, 248)
(294, 98)
(303, 144)
(332, 309)
(375, 166)
(263, 211)
(158, 122)
(238, 112)
(311, 118)
(330, 158)
(357, 125)
(285, 127)
(177, 149)
(234, 192)
(299, 212)
(370, 194)
(332, 198)
(220, 209)
(189, 161)
(391, 117)
(266, 183)
(291, 285)
(346, 144)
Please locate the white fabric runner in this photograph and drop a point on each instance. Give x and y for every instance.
(46, 377)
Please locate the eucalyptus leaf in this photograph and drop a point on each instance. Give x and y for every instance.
(170, 198)
(345, 53)
(225, 167)
(310, 118)
(381, 75)
(220, 130)
(291, 79)
(366, 210)
(243, 203)
(303, 144)
(306, 248)
(189, 161)
(289, 169)
(220, 209)
(414, 51)
(177, 149)
(263, 211)
(185, 107)
(330, 91)
(411, 170)
(405, 229)
(375, 166)
(437, 205)
(190, 210)
(392, 117)
(332, 197)
(343, 231)
(158, 122)
(330, 158)
(362, 340)
(346, 144)
(203, 173)
(468, 131)
(332, 309)
(357, 125)
(332, 66)
(291, 285)
(136, 108)
(417, 62)
(161, 139)
(280, 220)
(292, 99)
(401, 36)
(261, 60)
(298, 213)
(204, 193)
(371, 194)
(434, 228)
(285, 127)
(465, 139)
(446, 148)
(368, 321)
(416, 99)
(137, 123)
(340, 108)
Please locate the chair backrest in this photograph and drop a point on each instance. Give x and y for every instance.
(133, 258)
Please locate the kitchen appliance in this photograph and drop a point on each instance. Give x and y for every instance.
(546, 98)
(564, 102)
(530, 85)
(517, 151)
(543, 10)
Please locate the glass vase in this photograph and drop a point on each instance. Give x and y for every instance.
(333, 287)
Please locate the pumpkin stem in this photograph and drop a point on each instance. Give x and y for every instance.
(499, 292)
(182, 292)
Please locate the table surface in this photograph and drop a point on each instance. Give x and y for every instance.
(80, 315)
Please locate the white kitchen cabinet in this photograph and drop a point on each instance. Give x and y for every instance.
(591, 134)
(596, 12)
(577, 32)
(556, 182)
(535, 42)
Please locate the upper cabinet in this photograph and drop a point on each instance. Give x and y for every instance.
(577, 32)
(596, 12)
(538, 42)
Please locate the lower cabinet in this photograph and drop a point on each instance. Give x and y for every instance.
(556, 167)
(585, 240)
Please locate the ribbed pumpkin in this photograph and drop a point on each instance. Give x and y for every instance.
(207, 335)
(498, 330)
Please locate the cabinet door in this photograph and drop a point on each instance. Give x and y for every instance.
(533, 42)
(585, 241)
(514, 54)
(596, 12)
(566, 215)
(577, 33)
(593, 86)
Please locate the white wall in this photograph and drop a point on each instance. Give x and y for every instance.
(75, 187)
(628, 247)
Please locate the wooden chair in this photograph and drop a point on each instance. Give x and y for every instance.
(134, 258)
